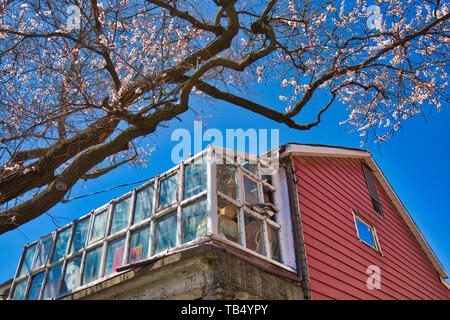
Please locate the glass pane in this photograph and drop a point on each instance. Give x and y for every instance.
(52, 283)
(365, 233)
(144, 204)
(139, 244)
(268, 196)
(254, 237)
(92, 267)
(120, 215)
(27, 260)
(166, 232)
(274, 243)
(226, 179)
(228, 220)
(61, 244)
(42, 253)
(250, 166)
(19, 290)
(195, 178)
(36, 285)
(98, 229)
(79, 236)
(114, 260)
(194, 221)
(168, 191)
(72, 275)
(251, 191)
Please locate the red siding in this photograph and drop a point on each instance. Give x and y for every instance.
(328, 189)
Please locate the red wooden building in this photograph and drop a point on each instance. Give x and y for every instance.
(352, 220)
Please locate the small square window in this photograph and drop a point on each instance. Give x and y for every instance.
(166, 232)
(254, 234)
(92, 265)
(42, 252)
(120, 215)
(194, 221)
(251, 191)
(61, 244)
(366, 233)
(72, 275)
(139, 244)
(28, 260)
(228, 220)
(226, 180)
(36, 285)
(144, 204)
(52, 283)
(195, 178)
(168, 191)
(19, 290)
(98, 229)
(116, 251)
(79, 236)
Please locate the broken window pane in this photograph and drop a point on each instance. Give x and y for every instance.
(168, 191)
(36, 285)
(139, 244)
(274, 243)
(254, 235)
(251, 191)
(28, 260)
(195, 178)
(166, 232)
(114, 260)
(226, 180)
(251, 166)
(52, 283)
(42, 253)
(144, 204)
(61, 244)
(92, 266)
(194, 221)
(72, 275)
(19, 290)
(120, 215)
(98, 229)
(79, 236)
(228, 220)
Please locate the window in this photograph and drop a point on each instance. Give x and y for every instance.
(52, 284)
(116, 251)
(366, 233)
(254, 235)
(28, 260)
(168, 191)
(376, 203)
(98, 229)
(43, 251)
(120, 215)
(274, 243)
(139, 244)
(195, 178)
(228, 220)
(72, 275)
(251, 191)
(194, 221)
(61, 244)
(166, 232)
(144, 204)
(79, 236)
(226, 180)
(92, 265)
(19, 290)
(36, 285)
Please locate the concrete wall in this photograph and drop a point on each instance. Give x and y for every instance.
(203, 272)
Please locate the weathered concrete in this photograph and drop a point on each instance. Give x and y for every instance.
(202, 272)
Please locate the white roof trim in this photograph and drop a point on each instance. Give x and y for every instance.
(309, 150)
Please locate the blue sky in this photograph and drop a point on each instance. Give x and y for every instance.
(414, 162)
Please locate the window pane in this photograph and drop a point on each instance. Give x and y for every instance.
(36, 285)
(168, 191)
(139, 244)
(120, 215)
(79, 236)
(72, 275)
(250, 166)
(166, 232)
(144, 204)
(226, 179)
(61, 244)
(114, 260)
(251, 191)
(274, 243)
(92, 267)
(98, 229)
(27, 260)
(19, 290)
(52, 283)
(254, 238)
(43, 252)
(228, 221)
(365, 233)
(194, 221)
(195, 178)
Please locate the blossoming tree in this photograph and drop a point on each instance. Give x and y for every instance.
(82, 80)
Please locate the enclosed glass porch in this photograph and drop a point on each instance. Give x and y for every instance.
(218, 194)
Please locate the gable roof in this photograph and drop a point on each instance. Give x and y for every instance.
(296, 149)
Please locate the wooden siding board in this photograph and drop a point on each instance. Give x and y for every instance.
(328, 188)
